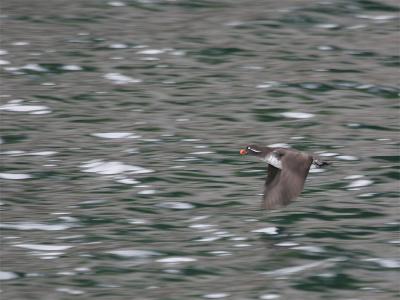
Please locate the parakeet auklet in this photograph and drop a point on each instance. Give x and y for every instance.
(287, 172)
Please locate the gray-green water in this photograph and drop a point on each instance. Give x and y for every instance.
(121, 125)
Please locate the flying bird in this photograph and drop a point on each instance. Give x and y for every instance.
(287, 172)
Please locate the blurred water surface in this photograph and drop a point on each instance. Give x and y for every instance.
(121, 124)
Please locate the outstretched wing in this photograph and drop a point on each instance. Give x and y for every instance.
(285, 184)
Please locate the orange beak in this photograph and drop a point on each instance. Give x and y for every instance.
(242, 152)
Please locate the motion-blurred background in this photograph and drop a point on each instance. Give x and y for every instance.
(121, 123)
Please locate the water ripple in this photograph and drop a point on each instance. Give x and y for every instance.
(19, 106)
(40, 247)
(36, 226)
(112, 168)
(14, 176)
(7, 275)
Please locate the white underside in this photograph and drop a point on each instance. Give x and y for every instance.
(272, 160)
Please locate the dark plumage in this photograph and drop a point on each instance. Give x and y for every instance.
(287, 172)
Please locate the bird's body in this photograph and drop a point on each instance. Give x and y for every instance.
(287, 172)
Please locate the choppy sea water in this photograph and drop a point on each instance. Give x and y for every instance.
(121, 123)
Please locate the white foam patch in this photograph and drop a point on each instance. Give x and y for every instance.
(253, 171)
(360, 183)
(92, 202)
(394, 242)
(34, 67)
(70, 291)
(13, 153)
(118, 46)
(14, 176)
(267, 230)
(327, 26)
(35, 226)
(216, 295)
(177, 259)
(190, 140)
(311, 86)
(116, 135)
(385, 263)
(116, 3)
(328, 154)
(4, 62)
(149, 58)
(178, 52)
(151, 51)
(297, 269)
(138, 221)
(176, 205)
(48, 255)
(237, 238)
(242, 245)
(147, 192)
(118, 78)
(112, 168)
(223, 233)
(208, 239)
(3, 52)
(71, 68)
(367, 195)
(287, 244)
(325, 48)
(297, 115)
(353, 125)
(21, 43)
(40, 112)
(20, 107)
(198, 218)
(128, 253)
(279, 145)
(267, 85)
(346, 157)
(41, 247)
(354, 177)
(127, 181)
(202, 226)
(201, 152)
(13, 70)
(42, 153)
(220, 253)
(311, 249)
(7, 275)
(358, 26)
(377, 17)
(269, 296)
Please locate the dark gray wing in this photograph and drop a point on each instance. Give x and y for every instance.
(284, 185)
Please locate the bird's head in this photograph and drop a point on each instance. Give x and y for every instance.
(272, 156)
(255, 150)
